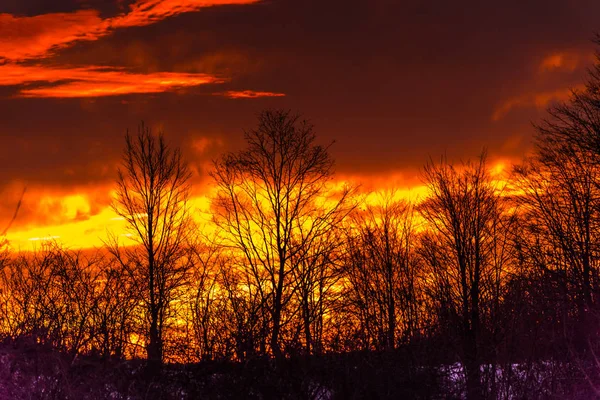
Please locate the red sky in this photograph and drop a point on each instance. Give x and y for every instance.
(393, 82)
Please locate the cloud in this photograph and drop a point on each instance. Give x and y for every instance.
(77, 221)
(538, 100)
(41, 35)
(202, 144)
(146, 12)
(51, 205)
(95, 81)
(248, 94)
(29, 39)
(568, 60)
(37, 36)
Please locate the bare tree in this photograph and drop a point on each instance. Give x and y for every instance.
(113, 316)
(273, 203)
(560, 199)
(316, 280)
(152, 194)
(467, 248)
(246, 316)
(206, 303)
(66, 299)
(48, 297)
(382, 272)
(560, 202)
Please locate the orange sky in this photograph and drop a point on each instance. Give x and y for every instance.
(393, 83)
(94, 230)
(89, 232)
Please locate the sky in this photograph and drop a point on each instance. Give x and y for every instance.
(392, 82)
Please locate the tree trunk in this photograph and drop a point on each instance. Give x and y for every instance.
(306, 320)
(391, 334)
(276, 326)
(471, 366)
(154, 348)
(275, 334)
(277, 306)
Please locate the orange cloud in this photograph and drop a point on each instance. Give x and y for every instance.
(32, 37)
(146, 12)
(202, 144)
(539, 100)
(248, 94)
(559, 61)
(39, 36)
(94, 81)
(566, 61)
(52, 206)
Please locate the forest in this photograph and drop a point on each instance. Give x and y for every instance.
(486, 287)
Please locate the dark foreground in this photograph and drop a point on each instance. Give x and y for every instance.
(30, 371)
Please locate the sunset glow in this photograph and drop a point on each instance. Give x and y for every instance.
(93, 231)
(95, 81)
(99, 225)
(41, 35)
(299, 199)
(249, 94)
(105, 66)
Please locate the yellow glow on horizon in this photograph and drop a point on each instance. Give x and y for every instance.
(87, 233)
(77, 234)
(94, 230)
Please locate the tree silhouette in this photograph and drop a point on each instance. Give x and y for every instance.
(382, 272)
(152, 195)
(315, 278)
(560, 186)
(272, 206)
(467, 248)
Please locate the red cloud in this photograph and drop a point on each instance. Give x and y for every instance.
(568, 60)
(38, 36)
(145, 12)
(539, 100)
(248, 94)
(96, 81)
(32, 37)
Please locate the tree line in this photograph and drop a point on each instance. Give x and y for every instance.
(496, 274)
